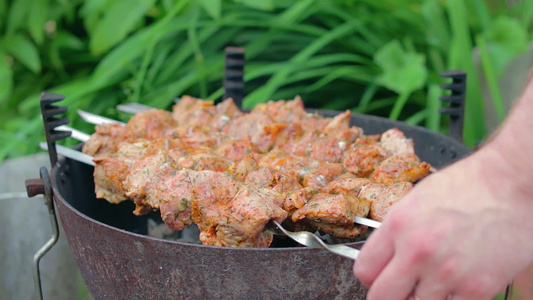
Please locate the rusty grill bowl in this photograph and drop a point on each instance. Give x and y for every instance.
(119, 261)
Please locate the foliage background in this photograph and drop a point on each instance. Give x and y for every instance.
(374, 57)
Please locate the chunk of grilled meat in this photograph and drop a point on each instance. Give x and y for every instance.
(404, 167)
(231, 213)
(334, 214)
(383, 196)
(106, 139)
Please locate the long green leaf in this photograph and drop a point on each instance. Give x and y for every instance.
(460, 58)
(112, 65)
(212, 7)
(433, 104)
(20, 47)
(265, 92)
(367, 96)
(117, 22)
(17, 15)
(38, 15)
(6, 78)
(491, 77)
(263, 4)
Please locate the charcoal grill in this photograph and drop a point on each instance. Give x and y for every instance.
(118, 260)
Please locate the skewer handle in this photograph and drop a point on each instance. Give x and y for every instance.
(456, 109)
(51, 122)
(234, 75)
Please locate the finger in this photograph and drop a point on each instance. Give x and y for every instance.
(377, 251)
(396, 281)
(431, 289)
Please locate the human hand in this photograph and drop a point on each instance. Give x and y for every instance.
(463, 232)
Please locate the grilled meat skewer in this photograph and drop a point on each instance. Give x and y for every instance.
(278, 147)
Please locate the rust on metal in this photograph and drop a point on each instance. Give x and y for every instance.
(34, 187)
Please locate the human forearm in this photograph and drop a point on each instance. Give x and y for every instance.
(512, 146)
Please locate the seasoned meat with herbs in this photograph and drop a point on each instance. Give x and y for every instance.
(334, 214)
(383, 196)
(395, 142)
(232, 214)
(106, 139)
(362, 160)
(405, 167)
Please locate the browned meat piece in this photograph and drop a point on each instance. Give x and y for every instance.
(236, 149)
(278, 181)
(328, 150)
(232, 214)
(347, 184)
(175, 193)
(395, 142)
(406, 167)
(111, 170)
(349, 135)
(334, 214)
(368, 139)
(198, 137)
(243, 167)
(362, 160)
(106, 139)
(282, 111)
(289, 137)
(204, 161)
(190, 111)
(259, 128)
(383, 197)
(312, 173)
(225, 112)
(318, 174)
(302, 147)
(150, 124)
(144, 179)
(273, 158)
(193, 112)
(295, 200)
(338, 123)
(262, 178)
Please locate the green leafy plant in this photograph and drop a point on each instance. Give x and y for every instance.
(373, 57)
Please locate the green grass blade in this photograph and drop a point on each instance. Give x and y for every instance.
(6, 78)
(433, 104)
(367, 96)
(118, 20)
(460, 58)
(398, 105)
(198, 56)
(36, 20)
(376, 105)
(417, 118)
(491, 78)
(266, 91)
(20, 47)
(212, 7)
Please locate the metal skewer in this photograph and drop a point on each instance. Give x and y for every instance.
(96, 119)
(77, 134)
(70, 153)
(368, 222)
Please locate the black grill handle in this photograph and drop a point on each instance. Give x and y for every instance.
(51, 121)
(234, 75)
(43, 186)
(456, 109)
